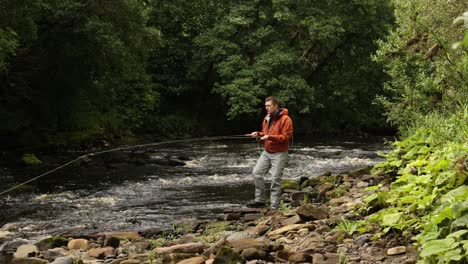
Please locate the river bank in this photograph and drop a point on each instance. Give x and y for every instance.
(321, 220)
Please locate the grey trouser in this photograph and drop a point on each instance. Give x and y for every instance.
(273, 163)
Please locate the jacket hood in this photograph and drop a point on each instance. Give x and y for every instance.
(281, 111)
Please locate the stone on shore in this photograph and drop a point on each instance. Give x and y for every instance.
(312, 212)
(101, 253)
(228, 255)
(194, 260)
(396, 250)
(191, 248)
(285, 229)
(241, 244)
(76, 244)
(29, 261)
(25, 251)
(63, 260)
(253, 253)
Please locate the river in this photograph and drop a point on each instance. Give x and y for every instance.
(136, 197)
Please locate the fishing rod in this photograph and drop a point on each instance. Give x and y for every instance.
(243, 136)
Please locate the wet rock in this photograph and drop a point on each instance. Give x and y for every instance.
(76, 244)
(25, 251)
(253, 253)
(132, 236)
(111, 241)
(241, 244)
(290, 185)
(291, 221)
(396, 250)
(63, 260)
(285, 229)
(360, 240)
(29, 261)
(312, 212)
(52, 242)
(227, 255)
(300, 257)
(101, 253)
(190, 248)
(194, 260)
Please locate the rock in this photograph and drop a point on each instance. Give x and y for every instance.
(132, 236)
(360, 240)
(51, 242)
(227, 255)
(361, 171)
(101, 253)
(325, 187)
(300, 257)
(312, 212)
(191, 248)
(111, 241)
(188, 225)
(29, 261)
(253, 253)
(232, 216)
(303, 231)
(63, 260)
(291, 221)
(338, 201)
(257, 230)
(310, 183)
(76, 244)
(131, 261)
(176, 257)
(215, 247)
(284, 254)
(313, 240)
(328, 258)
(251, 217)
(242, 210)
(396, 250)
(362, 184)
(194, 260)
(240, 235)
(53, 253)
(25, 251)
(285, 229)
(290, 184)
(241, 244)
(336, 236)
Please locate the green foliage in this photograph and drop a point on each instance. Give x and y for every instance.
(428, 195)
(352, 227)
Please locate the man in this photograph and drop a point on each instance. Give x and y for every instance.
(277, 130)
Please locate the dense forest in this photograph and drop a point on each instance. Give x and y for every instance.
(73, 71)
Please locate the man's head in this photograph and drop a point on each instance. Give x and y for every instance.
(271, 104)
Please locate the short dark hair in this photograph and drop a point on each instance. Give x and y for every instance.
(273, 99)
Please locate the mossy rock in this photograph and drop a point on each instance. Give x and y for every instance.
(30, 160)
(291, 185)
(227, 255)
(327, 173)
(360, 171)
(52, 242)
(310, 182)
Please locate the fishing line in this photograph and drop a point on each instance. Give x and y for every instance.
(245, 136)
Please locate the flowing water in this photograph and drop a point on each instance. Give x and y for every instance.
(131, 197)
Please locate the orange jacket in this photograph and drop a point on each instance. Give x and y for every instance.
(279, 131)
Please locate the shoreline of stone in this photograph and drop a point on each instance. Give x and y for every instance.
(315, 224)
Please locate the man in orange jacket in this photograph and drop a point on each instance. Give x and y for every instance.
(277, 130)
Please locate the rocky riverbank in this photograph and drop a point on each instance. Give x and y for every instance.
(321, 220)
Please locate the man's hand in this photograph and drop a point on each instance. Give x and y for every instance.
(254, 134)
(264, 138)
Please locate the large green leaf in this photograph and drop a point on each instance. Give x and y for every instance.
(435, 247)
